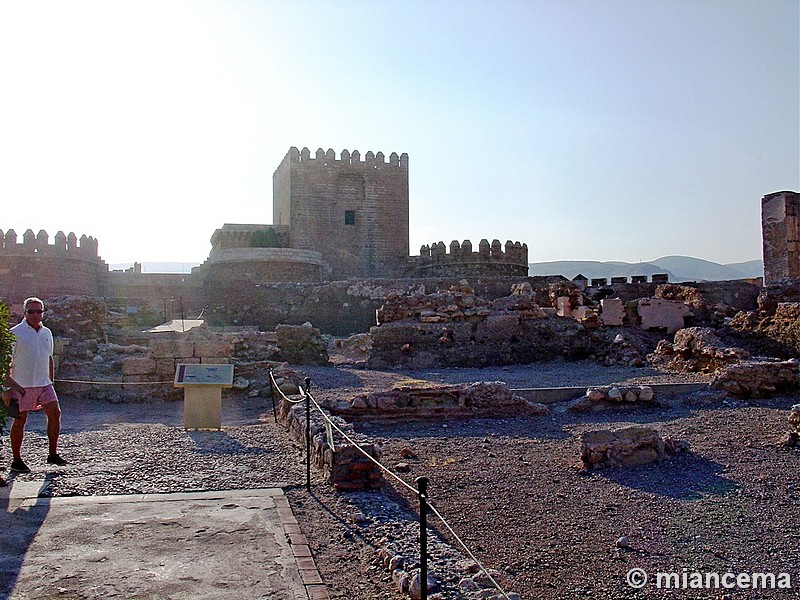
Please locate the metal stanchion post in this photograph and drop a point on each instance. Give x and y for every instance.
(422, 493)
(272, 395)
(307, 382)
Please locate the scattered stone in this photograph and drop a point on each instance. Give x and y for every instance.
(415, 588)
(631, 446)
(612, 397)
(793, 438)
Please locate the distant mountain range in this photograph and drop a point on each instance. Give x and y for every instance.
(679, 268)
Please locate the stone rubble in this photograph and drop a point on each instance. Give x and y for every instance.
(695, 350)
(759, 378)
(627, 447)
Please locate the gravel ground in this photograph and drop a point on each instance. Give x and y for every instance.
(511, 489)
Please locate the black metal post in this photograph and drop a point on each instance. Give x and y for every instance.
(422, 494)
(307, 382)
(272, 395)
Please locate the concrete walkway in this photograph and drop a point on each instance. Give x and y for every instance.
(236, 544)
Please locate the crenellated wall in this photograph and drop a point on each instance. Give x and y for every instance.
(489, 259)
(35, 267)
(233, 235)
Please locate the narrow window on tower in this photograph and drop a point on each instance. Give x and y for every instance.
(349, 217)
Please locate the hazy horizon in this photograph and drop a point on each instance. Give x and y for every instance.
(615, 130)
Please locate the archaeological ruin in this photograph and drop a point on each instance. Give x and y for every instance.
(336, 259)
(331, 282)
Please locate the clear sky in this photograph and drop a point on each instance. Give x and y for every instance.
(614, 130)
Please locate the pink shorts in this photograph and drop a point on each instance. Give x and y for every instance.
(36, 397)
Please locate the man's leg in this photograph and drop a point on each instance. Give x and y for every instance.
(53, 412)
(16, 434)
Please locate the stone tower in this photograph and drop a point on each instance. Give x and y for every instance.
(780, 227)
(353, 212)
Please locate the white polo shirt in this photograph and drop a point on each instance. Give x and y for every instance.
(30, 361)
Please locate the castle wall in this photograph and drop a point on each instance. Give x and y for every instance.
(780, 225)
(155, 292)
(461, 261)
(35, 267)
(354, 213)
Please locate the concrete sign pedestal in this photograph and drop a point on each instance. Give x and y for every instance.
(202, 394)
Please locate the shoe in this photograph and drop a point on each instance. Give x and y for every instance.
(19, 467)
(55, 459)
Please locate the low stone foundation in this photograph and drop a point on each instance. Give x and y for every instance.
(628, 447)
(343, 466)
(421, 399)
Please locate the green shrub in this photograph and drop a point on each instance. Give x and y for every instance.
(6, 340)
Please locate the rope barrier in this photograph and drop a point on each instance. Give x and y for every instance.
(112, 382)
(393, 475)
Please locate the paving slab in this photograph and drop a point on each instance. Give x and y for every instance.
(226, 544)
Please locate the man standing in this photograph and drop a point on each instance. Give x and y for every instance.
(32, 368)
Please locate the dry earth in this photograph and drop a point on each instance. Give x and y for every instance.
(511, 489)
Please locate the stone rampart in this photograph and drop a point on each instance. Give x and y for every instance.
(35, 267)
(461, 260)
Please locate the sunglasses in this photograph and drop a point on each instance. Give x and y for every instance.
(36, 311)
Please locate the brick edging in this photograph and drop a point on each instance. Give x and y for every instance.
(312, 580)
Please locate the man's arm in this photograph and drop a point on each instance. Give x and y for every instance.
(10, 384)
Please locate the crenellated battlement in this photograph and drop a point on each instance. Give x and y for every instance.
(35, 267)
(233, 235)
(512, 251)
(63, 245)
(348, 158)
(460, 259)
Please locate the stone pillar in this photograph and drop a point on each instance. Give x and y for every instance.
(780, 229)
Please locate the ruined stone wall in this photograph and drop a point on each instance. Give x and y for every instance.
(354, 213)
(780, 225)
(461, 261)
(35, 267)
(337, 308)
